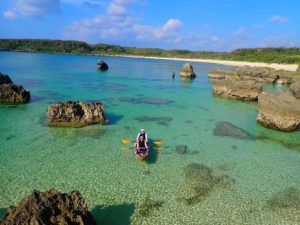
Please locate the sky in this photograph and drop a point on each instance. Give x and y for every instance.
(201, 25)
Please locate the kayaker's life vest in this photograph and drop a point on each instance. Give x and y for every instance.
(144, 135)
(142, 144)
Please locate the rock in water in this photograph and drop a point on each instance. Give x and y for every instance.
(242, 90)
(75, 114)
(228, 129)
(187, 71)
(259, 74)
(280, 111)
(295, 88)
(51, 207)
(222, 74)
(4, 79)
(11, 93)
(101, 65)
(181, 149)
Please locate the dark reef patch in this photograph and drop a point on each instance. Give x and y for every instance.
(227, 129)
(31, 82)
(147, 206)
(281, 141)
(286, 203)
(114, 214)
(145, 100)
(200, 184)
(181, 149)
(9, 137)
(163, 120)
(188, 121)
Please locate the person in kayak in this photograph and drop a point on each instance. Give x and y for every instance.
(141, 145)
(142, 133)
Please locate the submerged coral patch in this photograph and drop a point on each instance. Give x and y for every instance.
(148, 206)
(163, 120)
(286, 203)
(200, 184)
(181, 149)
(146, 100)
(229, 130)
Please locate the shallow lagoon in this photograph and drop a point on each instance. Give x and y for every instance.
(219, 180)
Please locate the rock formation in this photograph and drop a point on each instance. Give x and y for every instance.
(260, 74)
(280, 111)
(11, 93)
(101, 65)
(222, 74)
(295, 88)
(242, 90)
(4, 79)
(75, 114)
(51, 207)
(187, 71)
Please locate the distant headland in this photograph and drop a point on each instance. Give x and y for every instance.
(277, 58)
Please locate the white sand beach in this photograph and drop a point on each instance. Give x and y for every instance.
(276, 66)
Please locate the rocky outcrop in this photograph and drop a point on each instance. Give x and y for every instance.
(260, 74)
(51, 207)
(241, 90)
(295, 88)
(187, 71)
(75, 114)
(280, 111)
(11, 93)
(4, 79)
(221, 74)
(101, 65)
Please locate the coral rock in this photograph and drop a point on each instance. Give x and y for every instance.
(76, 114)
(51, 207)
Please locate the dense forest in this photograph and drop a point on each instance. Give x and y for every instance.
(268, 55)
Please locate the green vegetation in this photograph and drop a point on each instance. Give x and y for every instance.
(268, 55)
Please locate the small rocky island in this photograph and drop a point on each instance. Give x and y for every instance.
(50, 207)
(11, 93)
(280, 111)
(101, 65)
(187, 71)
(76, 114)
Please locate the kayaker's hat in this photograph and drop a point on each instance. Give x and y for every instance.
(142, 130)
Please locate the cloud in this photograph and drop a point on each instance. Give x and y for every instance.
(33, 8)
(116, 9)
(278, 19)
(120, 24)
(241, 34)
(9, 14)
(169, 32)
(258, 27)
(287, 40)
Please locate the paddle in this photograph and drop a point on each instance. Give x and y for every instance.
(127, 141)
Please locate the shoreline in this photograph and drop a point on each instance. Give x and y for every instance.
(276, 66)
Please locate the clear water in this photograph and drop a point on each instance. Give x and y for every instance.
(140, 93)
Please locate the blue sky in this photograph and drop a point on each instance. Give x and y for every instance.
(218, 25)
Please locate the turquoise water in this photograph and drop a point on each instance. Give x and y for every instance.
(140, 93)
